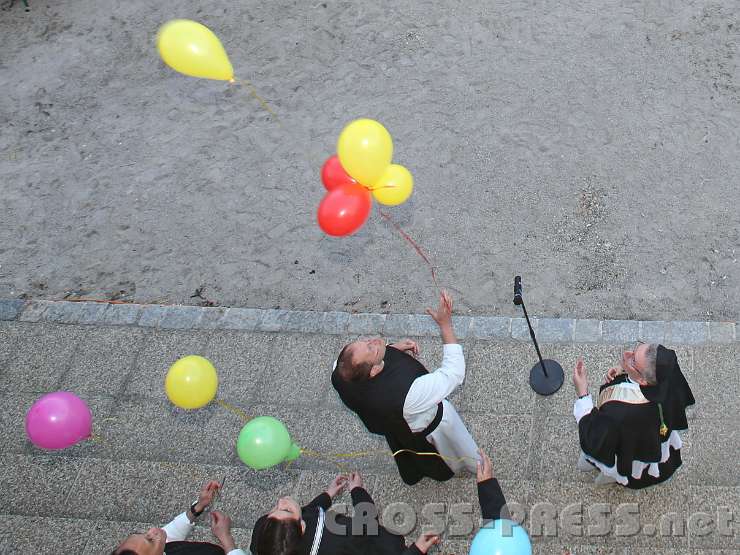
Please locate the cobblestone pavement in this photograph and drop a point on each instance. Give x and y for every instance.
(149, 458)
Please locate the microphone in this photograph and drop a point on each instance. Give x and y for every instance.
(518, 290)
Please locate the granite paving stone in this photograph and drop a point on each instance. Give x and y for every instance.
(688, 333)
(139, 425)
(400, 324)
(40, 484)
(244, 319)
(555, 330)
(710, 452)
(33, 311)
(506, 439)
(9, 334)
(484, 327)
(41, 357)
(335, 323)
(620, 331)
(102, 361)
(212, 317)
(305, 321)
(124, 490)
(121, 314)
(722, 332)
(652, 332)
(10, 308)
(366, 324)
(520, 330)
(240, 359)
(181, 317)
(711, 530)
(75, 313)
(499, 374)
(713, 373)
(273, 320)
(23, 535)
(587, 331)
(160, 350)
(297, 369)
(151, 315)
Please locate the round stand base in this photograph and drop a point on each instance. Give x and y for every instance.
(546, 385)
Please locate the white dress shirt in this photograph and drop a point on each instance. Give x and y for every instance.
(179, 529)
(451, 437)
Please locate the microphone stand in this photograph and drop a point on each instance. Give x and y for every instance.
(546, 376)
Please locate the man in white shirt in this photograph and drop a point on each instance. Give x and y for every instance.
(170, 539)
(395, 396)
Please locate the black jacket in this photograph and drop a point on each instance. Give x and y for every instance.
(367, 542)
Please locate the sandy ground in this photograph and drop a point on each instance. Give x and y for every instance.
(591, 148)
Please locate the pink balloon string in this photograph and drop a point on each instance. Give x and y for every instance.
(414, 244)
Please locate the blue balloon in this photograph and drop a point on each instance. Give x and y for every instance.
(501, 537)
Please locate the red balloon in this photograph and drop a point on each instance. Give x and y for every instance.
(333, 174)
(344, 210)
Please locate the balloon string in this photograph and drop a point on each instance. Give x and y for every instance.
(234, 410)
(358, 454)
(413, 244)
(257, 97)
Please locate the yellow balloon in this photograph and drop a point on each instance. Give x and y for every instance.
(365, 150)
(191, 48)
(191, 382)
(394, 187)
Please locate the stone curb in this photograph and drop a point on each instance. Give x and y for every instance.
(549, 330)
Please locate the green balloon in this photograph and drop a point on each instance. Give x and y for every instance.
(264, 442)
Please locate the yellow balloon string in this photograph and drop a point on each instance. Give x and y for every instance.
(257, 97)
(234, 410)
(358, 454)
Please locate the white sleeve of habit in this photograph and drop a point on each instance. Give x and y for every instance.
(179, 528)
(429, 390)
(582, 407)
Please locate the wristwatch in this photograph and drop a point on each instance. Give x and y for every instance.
(195, 513)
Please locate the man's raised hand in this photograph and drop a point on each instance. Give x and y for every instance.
(580, 378)
(407, 346)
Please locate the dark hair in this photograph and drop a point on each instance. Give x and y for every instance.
(124, 552)
(352, 372)
(279, 537)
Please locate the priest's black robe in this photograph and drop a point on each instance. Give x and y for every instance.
(382, 543)
(192, 548)
(491, 499)
(632, 436)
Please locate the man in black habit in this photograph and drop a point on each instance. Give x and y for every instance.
(397, 397)
(631, 436)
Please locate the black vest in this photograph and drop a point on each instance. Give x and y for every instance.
(379, 402)
(192, 548)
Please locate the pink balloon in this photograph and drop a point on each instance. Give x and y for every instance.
(58, 420)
